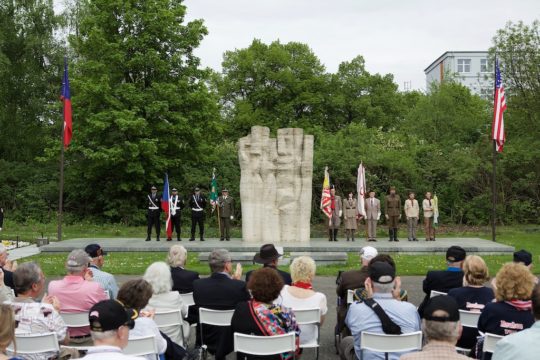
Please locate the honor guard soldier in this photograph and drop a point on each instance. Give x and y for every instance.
(226, 214)
(197, 203)
(153, 215)
(392, 211)
(177, 204)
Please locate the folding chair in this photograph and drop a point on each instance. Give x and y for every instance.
(468, 319)
(142, 346)
(389, 343)
(490, 340)
(35, 344)
(212, 317)
(264, 345)
(434, 293)
(75, 320)
(309, 317)
(187, 299)
(171, 318)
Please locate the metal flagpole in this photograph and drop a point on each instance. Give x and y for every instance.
(494, 175)
(61, 192)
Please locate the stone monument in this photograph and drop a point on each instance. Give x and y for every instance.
(275, 185)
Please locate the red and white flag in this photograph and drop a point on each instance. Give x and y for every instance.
(326, 201)
(499, 106)
(361, 190)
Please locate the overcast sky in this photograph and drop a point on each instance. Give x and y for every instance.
(401, 37)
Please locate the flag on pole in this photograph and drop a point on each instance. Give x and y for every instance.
(326, 202)
(499, 106)
(361, 189)
(166, 206)
(435, 205)
(66, 99)
(214, 192)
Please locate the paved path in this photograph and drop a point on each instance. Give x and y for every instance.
(22, 252)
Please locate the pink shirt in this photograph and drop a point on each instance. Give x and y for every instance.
(76, 295)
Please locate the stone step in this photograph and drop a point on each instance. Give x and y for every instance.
(245, 258)
(323, 258)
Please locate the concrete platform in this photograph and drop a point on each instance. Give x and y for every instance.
(316, 245)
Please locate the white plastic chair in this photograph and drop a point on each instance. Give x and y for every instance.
(187, 299)
(390, 343)
(75, 320)
(350, 296)
(170, 318)
(434, 293)
(309, 317)
(28, 344)
(490, 340)
(213, 317)
(264, 345)
(469, 318)
(142, 346)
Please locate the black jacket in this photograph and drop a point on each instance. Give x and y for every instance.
(201, 202)
(8, 278)
(284, 275)
(440, 280)
(183, 279)
(218, 292)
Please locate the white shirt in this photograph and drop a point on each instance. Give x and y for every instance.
(167, 302)
(144, 327)
(308, 333)
(108, 353)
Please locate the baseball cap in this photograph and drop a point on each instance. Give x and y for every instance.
(94, 250)
(455, 254)
(381, 272)
(110, 315)
(444, 303)
(77, 259)
(368, 252)
(523, 256)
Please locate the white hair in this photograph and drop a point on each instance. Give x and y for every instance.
(383, 288)
(158, 275)
(177, 256)
(103, 335)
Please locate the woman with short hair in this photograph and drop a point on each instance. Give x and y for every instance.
(182, 278)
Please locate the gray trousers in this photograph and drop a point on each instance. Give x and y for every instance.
(412, 224)
(372, 228)
(346, 349)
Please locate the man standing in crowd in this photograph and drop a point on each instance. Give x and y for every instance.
(380, 286)
(197, 203)
(154, 210)
(522, 345)
(269, 257)
(350, 216)
(335, 220)
(444, 280)
(427, 206)
(106, 280)
(442, 329)
(225, 205)
(373, 213)
(392, 212)
(177, 204)
(412, 211)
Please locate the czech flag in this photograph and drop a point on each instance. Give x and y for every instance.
(166, 206)
(66, 99)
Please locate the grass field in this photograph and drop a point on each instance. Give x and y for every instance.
(521, 237)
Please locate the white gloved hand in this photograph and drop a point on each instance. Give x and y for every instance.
(232, 217)
(340, 213)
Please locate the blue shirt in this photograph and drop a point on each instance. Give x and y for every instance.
(106, 280)
(522, 345)
(360, 318)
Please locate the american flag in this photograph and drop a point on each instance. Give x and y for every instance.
(499, 106)
(325, 198)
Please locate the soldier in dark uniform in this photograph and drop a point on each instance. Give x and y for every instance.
(154, 210)
(226, 214)
(392, 212)
(177, 204)
(197, 203)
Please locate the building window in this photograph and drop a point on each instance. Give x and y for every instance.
(484, 66)
(464, 65)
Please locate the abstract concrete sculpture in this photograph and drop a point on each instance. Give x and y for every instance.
(275, 185)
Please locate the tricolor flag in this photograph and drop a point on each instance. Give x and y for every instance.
(499, 106)
(213, 192)
(435, 205)
(166, 206)
(361, 190)
(66, 99)
(326, 202)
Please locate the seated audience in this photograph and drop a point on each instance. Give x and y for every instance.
(351, 280)
(268, 256)
(512, 311)
(6, 266)
(259, 316)
(6, 293)
(76, 292)
(381, 288)
(473, 296)
(182, 279)
(523, 345)
(444, 280)
(110, 324)
(220, 291)
(106, 280)
(36, 317)
(7, 330)
(441, 329)
(300, 295)
(163, 298)
(134, 294)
